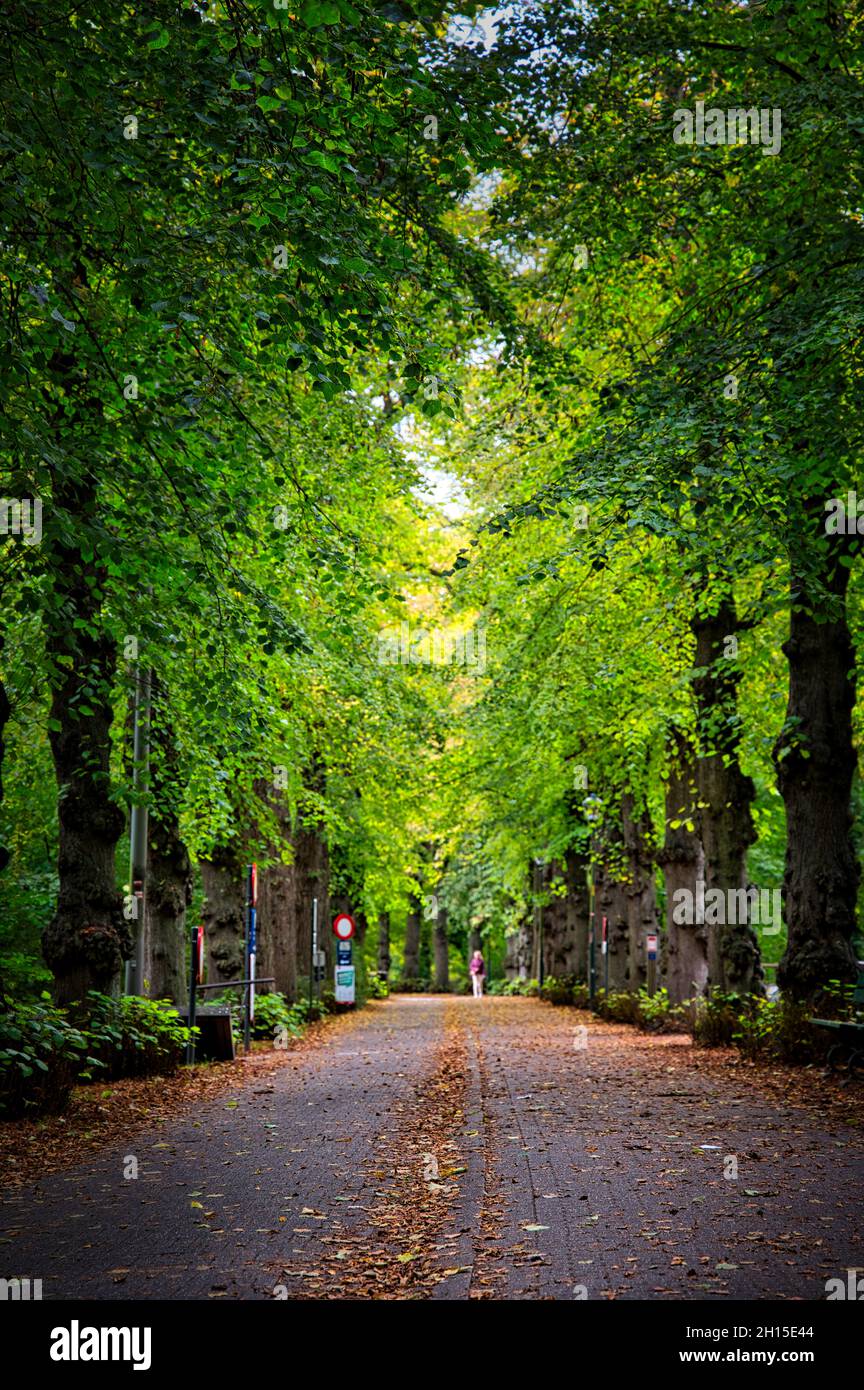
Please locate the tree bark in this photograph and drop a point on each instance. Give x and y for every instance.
(815, 759)
(384, 944)
(725, 798)
(683, 863)
(411, 960)
(276, 946)
(169, 872)
(523, 947)
(223, 913)
(87, 940)
(442, 952)
(557, 946)
(611, 902)
(5, 715)
(578, 912)
(641, 892)
(312, 870)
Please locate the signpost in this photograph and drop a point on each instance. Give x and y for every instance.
(605, 949)
(135, 966)
(251, 926)
(195, 977)
(343, 930)
(313, 951)
(651, 954)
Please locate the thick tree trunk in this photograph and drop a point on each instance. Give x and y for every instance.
(523, 948)
(683, 864)
(169, 892)
(169, 872)
(87, 939)
(312, 870)
(557, 945)
(578, 912)
(223, 914)
(276, 945)
(611, 902)
(411, 959)
(5, 714)
(384, 944)
(277, 920)
(725, 798)
(641, 891)
(442, 952)
(816, 760)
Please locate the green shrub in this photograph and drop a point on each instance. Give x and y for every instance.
(41, 1055)
(132, 1036)
(306, 1011)
(529, 988)
(657, 1014)
(376, 988)
(717, 1019)
(558, 989)
(410, 986)
(617, 1006)
(274, 1018)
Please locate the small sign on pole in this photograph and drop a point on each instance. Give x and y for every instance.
(651, 954)
(251, 921)
(345, 984)
(343, 926)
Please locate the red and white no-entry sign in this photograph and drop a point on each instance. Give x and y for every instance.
(343, 926)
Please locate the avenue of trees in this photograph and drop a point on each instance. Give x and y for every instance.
(266, 271)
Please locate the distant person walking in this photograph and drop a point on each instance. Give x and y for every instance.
(478, 974)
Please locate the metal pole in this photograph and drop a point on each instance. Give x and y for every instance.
(247, 949)
(134, 982)
(315, 946)
(193, 987)
(312, 935)
(591, 972)
(606, 955)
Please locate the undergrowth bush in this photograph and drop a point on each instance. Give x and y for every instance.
(131, 1036)
(529, 988)
(41, 1055)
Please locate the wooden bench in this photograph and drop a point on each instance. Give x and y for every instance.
(848, 1050)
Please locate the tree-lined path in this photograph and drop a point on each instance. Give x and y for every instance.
(435, 1147)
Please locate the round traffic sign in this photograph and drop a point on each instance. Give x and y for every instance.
(343, 926)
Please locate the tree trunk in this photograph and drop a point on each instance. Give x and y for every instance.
(384, 944)
(523, 948)
(277, 916)
(816, 760)
(641, 892)
(442, 953)
(578, 912)
(725, 798)
(5, 714)
(683, 864)
(224, 915)
(611, 902)
(411, 960)
(556, 942)
(276, 936)
(87, 940)
(312, 870)
(169, 872)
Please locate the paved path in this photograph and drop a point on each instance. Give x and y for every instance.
(452, 1148)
